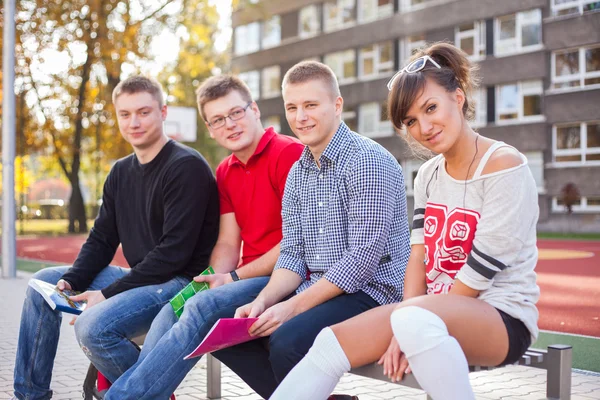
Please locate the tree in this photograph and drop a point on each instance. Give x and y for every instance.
(96, 41)
(570, 196)
(197, 61)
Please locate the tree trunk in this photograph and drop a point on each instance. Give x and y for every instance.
(77, 217)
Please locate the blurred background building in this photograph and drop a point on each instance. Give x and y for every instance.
(539, 61)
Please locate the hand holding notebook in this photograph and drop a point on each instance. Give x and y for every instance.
(226, 332)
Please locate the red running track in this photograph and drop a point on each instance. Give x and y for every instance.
(570, 300)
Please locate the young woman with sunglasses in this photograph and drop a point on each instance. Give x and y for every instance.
(470, 288)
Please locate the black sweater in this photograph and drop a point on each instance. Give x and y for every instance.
(164, 213)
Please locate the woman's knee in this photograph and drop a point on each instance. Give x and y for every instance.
(417, 329)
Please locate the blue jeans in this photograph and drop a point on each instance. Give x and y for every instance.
(263, 363)
(161, 367)
(103, 331)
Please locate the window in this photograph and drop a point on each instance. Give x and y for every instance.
(480, 101)
(373, 121)
(521, 101)
(271, 82)
(273, 121)
(412, 5)
(519, 32)
(252, 79)
(339, 14)
(371, 10)
(309, 21)
(409, 170)
(408, 46)
(585, 204)
(343, 64)
(271, 32)
(567, 7)
(576, 67)
(535, 161)
(470, 38)
(349, 116)
(247, 38)
(376, 59)
(576, 144)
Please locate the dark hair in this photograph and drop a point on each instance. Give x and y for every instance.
(306, 71)
(456, 72)
(137, 84)
(219, 86)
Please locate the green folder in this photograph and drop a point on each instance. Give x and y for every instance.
(191, 289)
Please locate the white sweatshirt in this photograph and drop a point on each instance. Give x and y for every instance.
(481, 231)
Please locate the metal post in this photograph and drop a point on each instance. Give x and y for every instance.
(558, 380)
(213, 378)
(9, 243)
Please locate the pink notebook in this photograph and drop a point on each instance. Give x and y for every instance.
(226, 332)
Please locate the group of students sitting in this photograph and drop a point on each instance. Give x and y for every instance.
(309, 235)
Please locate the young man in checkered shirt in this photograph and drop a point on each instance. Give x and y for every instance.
(345, 234)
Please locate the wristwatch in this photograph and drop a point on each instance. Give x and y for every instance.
(234, 276)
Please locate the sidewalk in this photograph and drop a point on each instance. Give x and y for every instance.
(508, 383)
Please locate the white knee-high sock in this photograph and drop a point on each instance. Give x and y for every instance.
(434, 356)
(317, 374)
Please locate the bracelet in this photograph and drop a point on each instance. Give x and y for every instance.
(234, 276)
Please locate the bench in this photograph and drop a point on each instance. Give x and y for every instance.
(557, 360)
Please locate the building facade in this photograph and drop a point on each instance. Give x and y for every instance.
(539, 62)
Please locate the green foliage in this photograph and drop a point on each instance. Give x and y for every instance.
(197, 61)
(71, 54)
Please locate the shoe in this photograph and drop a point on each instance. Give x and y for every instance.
(342, 397)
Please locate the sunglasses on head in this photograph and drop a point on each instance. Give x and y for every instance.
(415, 66)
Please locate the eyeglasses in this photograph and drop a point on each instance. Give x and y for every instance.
(235, 115)
(415, 66)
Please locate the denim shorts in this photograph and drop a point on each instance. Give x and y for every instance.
(519, 338)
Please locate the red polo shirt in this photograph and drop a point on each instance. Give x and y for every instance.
(254, 191)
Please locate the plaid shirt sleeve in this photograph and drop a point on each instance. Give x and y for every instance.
(291, 255)
(372, 184)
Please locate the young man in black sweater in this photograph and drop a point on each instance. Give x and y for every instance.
(161, 204)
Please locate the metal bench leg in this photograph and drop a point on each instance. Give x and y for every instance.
(213, 382)
(558, 378)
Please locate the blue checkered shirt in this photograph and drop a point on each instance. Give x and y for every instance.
(347, 221)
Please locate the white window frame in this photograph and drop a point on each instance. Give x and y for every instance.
(579, 4)
(382, 128)
(479, 39)
(409, 167)
(266, 91)
(376, 11)
(480, 99)
(266, 41)
(379, 68)
(315, 17)
(514, 45)
(408, 6)
(580, 208)
(252, 80)
(580, 76)
(274, 121)
(582, 151)
(337, 23)
(522, 91)
(407, 45)
(535, 161)
(336, 62)
(244, 42)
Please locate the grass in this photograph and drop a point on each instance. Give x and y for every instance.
(32, 266)
(45, 227)
(569, 236)
(586, 350)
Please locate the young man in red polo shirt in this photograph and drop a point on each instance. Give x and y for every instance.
(251, 182)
